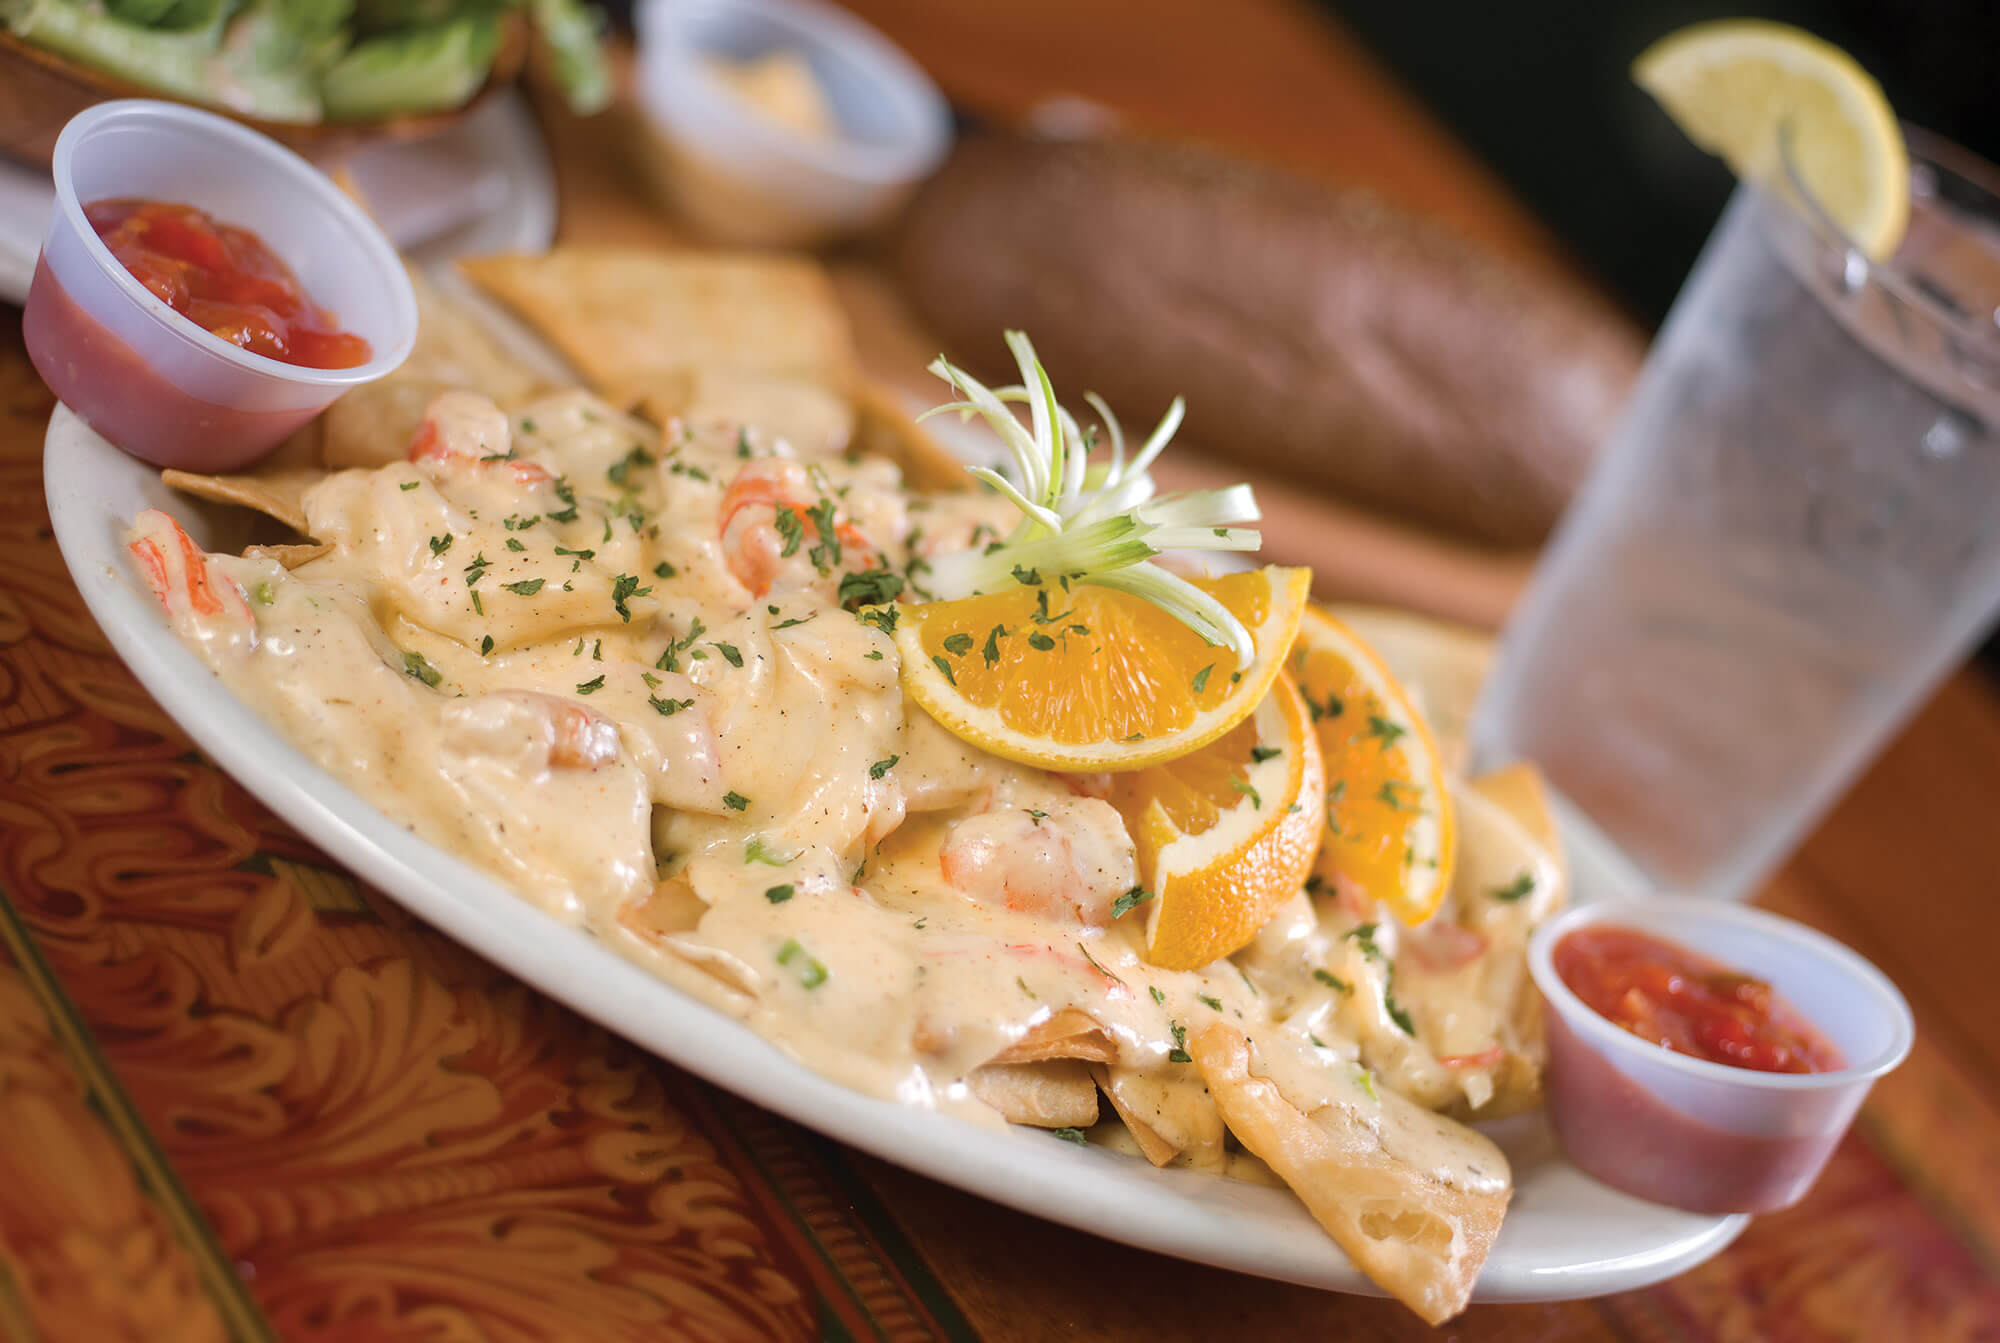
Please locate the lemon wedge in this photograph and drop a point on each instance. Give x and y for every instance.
(1737, 86)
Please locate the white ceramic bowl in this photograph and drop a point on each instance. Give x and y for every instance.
(152, 381)
(1706, 1136)
(740, 177)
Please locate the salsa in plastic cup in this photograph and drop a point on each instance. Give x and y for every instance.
(152, 381)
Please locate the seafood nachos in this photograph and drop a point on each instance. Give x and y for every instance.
(970, 791)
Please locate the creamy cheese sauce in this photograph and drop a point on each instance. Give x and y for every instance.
(614, 668)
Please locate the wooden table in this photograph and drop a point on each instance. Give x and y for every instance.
(243, 1096)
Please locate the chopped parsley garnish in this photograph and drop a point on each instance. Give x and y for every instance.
(944, 667)
(1396, 1013)
(1366, 1081)
(882, 767)
(440, 544)
(1378, 726)
(958, 645)
(1333, 708)
(1027, 578)
(514, 544)
(735, 801)
(873, 655)
(517, 523)
(1242, 786)
(1388, 795)
(811, 973)
(800, 620)
(1259, 754)
(826, 554)
(1074, 1135)
(526, 588)
(881, 617)
(579, 554)
(792, 529)
(1518, 889)
(664, 570)
(729, 652)
(623, 589)
(1040, 642)
(777, 895)
(409, 485)
(1200, 682)
(870, 588)
(1024, 986)
(486, 645)
(417, 665)
(742, 443)
(1037, 816)
(592, 686)
(1178, 1054)
(1095, 966)
(1154, 989)
(670, 660)
(1363, 935)
(1333, 981)
(667, 708)
(992, 649)
(623, 467)
(1129, 901)
(756, 851)
(262, 594)
(1214, 1004)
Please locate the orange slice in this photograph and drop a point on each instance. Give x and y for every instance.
(1389, 824)
(1091, 679)
(1226, 833)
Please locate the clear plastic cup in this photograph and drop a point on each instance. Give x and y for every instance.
(141, 374)
(1705, 1136)
(739, 177)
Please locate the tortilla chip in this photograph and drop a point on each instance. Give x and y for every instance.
(291, 557)
(1069, 1034)
(884, 429)
(1152, 1142)
(277, 494)
(815, 421)
(620, 313)
(1046, 1095)
(456, 348)
(372, 426)
(1420, 1239)
(1169, 1116)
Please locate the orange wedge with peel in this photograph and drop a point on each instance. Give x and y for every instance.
(1390, 829)
(1087, 679)
(1226, 833)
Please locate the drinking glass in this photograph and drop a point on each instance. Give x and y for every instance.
(1794, 534)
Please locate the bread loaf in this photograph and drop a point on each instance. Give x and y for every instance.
(1312, 329)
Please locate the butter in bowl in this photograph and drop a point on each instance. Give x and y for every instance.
(780, 123)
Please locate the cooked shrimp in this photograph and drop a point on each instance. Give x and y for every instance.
(769, 522)
(1071, 862)
(529, 728)
(464, 428)
(185, 580)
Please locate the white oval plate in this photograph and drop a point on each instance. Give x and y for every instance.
(1566, 1236)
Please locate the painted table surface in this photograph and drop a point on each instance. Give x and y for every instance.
(243, 1096)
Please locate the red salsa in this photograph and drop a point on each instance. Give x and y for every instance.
(225, 280)
(1663, 992)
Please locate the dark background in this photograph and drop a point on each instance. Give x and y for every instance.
(1541, 90)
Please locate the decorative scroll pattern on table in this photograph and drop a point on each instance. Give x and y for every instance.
(385, 1137)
